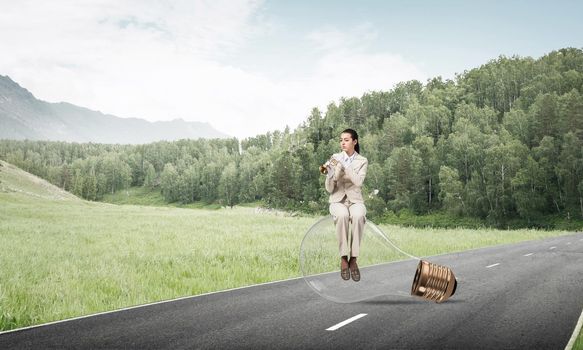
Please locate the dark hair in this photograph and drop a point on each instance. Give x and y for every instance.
(354, 136)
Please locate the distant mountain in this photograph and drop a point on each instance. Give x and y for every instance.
(22, 116)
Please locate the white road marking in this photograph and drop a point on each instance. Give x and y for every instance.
(529, 254)
(489, 266)
(551, 248)
(575, 333)
(148, 304)
(568, 243)
(344, 323)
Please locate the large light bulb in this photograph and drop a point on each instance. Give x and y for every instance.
(384, 267)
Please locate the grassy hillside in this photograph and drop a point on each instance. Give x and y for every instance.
(15, 180)
(63, 257)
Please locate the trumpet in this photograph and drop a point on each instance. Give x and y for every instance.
(324, 167)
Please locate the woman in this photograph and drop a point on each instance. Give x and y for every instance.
(346, 173)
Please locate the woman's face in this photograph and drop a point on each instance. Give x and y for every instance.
(347, 143)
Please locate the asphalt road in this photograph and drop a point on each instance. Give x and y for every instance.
(521, 296)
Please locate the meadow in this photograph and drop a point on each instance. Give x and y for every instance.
(63, 257)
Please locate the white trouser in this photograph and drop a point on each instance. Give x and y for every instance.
(343, 213)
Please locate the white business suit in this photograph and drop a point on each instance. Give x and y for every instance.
(346, 202)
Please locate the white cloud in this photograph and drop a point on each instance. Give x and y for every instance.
(159, 60)
(346, 67)
(332, 38)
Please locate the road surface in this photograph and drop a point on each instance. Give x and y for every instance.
(524, 296)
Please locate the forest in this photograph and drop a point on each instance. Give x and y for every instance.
(500, 142)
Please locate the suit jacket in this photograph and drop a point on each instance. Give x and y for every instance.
(348, 181)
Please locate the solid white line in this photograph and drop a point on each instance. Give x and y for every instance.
(575, 333)
(529, 254)
(344, 323)
(551, 248)
(489, 266)
(147, 304)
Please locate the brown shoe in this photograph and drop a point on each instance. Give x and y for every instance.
(354, 271)
(344, 272)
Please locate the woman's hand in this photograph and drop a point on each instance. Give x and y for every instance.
(338, 168)
(327, 169)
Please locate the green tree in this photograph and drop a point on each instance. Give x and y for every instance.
(150, 177)
(168, 183)
(451, 193)
(569, 171)
(229, 185)
(528, 192)
(404, 180)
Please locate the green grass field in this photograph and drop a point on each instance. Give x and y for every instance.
(62, 257)
(147, 197)
(579, 342)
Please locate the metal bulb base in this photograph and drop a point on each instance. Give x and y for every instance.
(433, 282)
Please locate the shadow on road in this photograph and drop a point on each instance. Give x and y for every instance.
(406, 302)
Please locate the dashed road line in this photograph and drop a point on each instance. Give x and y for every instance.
(568, 243)
(529, 254)
(344, 323)
(489, 266)
(551, 248)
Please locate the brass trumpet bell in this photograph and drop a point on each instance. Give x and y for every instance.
(324, 167)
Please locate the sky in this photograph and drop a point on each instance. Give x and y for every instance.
(249, 66)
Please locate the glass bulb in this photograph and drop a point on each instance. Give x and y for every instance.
(385, 268)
